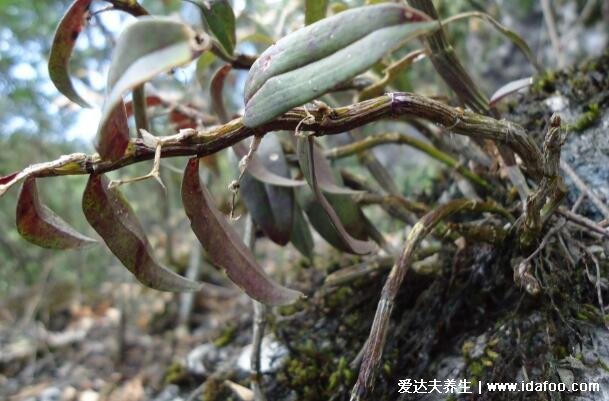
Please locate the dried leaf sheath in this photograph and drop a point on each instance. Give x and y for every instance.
(112, 217)
(226, 250)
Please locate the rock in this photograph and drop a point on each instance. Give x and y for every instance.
(51, 394)
(272, 356)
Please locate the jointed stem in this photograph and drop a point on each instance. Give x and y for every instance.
(212, 140)
(373, 349)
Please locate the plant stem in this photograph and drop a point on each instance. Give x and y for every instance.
(381, 139)
(327, 122)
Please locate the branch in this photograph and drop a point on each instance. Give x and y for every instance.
(327, 122)
(395, 137)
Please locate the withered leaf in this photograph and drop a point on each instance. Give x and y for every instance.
(226, 250)
(41, 226)
(112, 217)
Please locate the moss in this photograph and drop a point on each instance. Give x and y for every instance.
(215, 391)
(339, 297)
(226, 337)
(544, 83)
(588, 118)
(176, 373)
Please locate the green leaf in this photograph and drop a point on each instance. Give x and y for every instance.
(301, 233)
(321, 39)
(113, 138)
(223, 245)
(149, 47)
(220, 19)
(67, 32)
(39, 225)
(315, 10)
(313, 60)
(112, 217)
(306, 150)
(270, 206)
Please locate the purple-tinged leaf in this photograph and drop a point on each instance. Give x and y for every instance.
(113, 137)
(41, 226)
(216, 87)
(306, 159)
(508, 89)
(223, 245)
(66, 34)
(112, 217)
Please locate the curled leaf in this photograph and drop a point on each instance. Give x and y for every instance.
(41, 226)
(306, 159)
(150, 46)
(226, 250)
(112, 217)
(64, 40)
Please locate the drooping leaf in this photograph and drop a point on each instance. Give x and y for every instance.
(306, 159)
(41, 226)
(223, 245)
(112, 217)
(301, 236)
(508, 89)
(220, 19)
(113, 137)
(64, 40)
(270, 206)
(505, 31)
(315, 10)
(150, 46)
